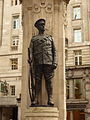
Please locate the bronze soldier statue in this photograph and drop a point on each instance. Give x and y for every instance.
(42, 54)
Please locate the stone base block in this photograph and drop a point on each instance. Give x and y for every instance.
(42, 113)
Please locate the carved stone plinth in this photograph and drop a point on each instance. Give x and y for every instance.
(42, 113)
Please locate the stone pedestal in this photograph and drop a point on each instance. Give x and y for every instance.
(42, 113)
(54, 12)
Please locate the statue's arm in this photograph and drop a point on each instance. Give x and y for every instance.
(54, 53)
(30, 52)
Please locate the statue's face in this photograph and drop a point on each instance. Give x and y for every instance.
(41, 26)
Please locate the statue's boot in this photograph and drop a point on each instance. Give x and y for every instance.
(50, 100)
(35, 102)
(49, 92)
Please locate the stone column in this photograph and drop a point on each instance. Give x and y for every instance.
(19, 111)
(88, 22)
(71, 89)
(1, 19)
(86, 78)
(54, 12)
(87, 89)
(71, 115)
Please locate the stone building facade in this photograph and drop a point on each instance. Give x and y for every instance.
(10, 59)
(78, 60)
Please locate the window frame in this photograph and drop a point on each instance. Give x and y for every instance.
(77, 95)
(12, 90)
(16, 22)
(2, 87)
(74, 37)
(78, 56)
(14, 63)
(75, 7)
(14, 42)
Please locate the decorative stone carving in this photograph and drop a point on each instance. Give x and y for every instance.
(76, 106)
(43, 3)
(65, 12)
(70, 73)
(36, 8)
(87, 86)
(49, 8)
(86, 74)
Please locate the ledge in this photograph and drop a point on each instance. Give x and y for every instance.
(42, 112)
(77, 67)
(74, 104)
(8, 101)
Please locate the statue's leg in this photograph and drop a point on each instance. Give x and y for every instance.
(38, 78)
(49, 74)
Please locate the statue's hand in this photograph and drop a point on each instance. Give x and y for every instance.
(29, 61)
(54, 66)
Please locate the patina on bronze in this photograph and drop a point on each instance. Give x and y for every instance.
(42, 56)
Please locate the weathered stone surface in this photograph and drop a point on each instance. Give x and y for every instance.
(54, 12)
(42, 113)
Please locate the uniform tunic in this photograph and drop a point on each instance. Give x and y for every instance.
(42, 50)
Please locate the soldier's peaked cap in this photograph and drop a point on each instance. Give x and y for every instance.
(36, 23)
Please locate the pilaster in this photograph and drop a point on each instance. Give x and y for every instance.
(1, 19)
(54, 12)
(87, 91)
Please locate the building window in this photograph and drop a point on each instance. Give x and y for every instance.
(77, 36)
(76, 114)
(67, 89)
(76, 12)
(66, 42)
(1, 86)
(12, 89)
(14, 43)
(76, 87)
(16, 22)
(78, 57)
(14, 64)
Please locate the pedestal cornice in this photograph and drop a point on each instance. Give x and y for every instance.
(42, 113)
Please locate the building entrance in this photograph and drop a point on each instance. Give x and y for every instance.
(76, 115)
(8, 113)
